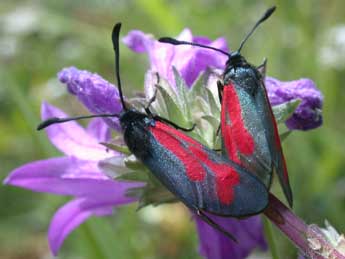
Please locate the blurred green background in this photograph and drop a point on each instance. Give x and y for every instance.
(38, 38)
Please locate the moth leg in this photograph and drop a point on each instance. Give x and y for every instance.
(156, 117)
(218, 130)
(220, 90)
(213, 224)
(220, 95)
(262, 68)
(153, 98)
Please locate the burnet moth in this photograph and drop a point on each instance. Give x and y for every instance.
(201, 178)
(249, 131)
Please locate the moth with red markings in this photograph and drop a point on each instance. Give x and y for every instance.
(249, 131)
(198, 176)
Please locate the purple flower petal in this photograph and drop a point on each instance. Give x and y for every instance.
(138, 41)
(189, 61)
(74, 213)
(308, 113)
(72, 139)
(69, 217)
(63, 175)
(68, 176)
(97, 94)
(215, 245)
(98, 129)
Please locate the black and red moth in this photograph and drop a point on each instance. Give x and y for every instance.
(201, 178)
(249, 131)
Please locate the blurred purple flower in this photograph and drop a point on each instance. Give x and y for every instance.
(96, 93)
(76, 174)
(248, 232)
(191, 61)
(308, 113)
(188, 60)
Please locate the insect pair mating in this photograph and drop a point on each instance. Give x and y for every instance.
(235, 183)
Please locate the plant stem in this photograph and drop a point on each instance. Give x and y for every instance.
(299, 232)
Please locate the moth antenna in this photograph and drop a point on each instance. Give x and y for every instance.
(178, 42)
(265, 16)
(55, 120)
(115, 39)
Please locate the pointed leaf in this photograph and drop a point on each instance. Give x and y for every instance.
(214, 105)
(181, 91)
(159, 106)
(284, 135)
(284, 111)
(119, 148)
(174, 111)
(133, 163)
(202, 106)
(136, 176)
(197, 88)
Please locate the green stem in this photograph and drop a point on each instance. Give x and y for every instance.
(270, 238)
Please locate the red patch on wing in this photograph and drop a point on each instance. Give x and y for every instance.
(193, 157)
(226, 176)
(235, 135)
(168, 137)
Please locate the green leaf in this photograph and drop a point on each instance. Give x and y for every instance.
(214, 105)
(117, 147)
(174, 111)
(159, 105)
(151, 195)
(284, 111)
(197, 88)
(284, 135)
(133, 163)
(208, 129)
(181, 88)
(136, 176)
(201, 106)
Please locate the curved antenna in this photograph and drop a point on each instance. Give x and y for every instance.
(266, 15)
(173, 41)
(54, 120)
(178, 42)
(115, 39)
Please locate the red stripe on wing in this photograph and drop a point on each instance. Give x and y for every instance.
(193, 157)
(168, 137)
(226, 176)
(236, 137)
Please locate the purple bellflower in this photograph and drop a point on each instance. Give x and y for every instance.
(308, 113)
(78, 174)
(96, 93)
(190, 61)
(248, 231)
(75, 174)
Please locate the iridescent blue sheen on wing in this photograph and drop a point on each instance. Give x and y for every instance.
(243, 86)
(151, 140)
